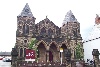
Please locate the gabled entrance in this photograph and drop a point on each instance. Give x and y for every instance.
(41, 52)
(53, 53)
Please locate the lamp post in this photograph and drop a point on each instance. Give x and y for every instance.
(61, 50)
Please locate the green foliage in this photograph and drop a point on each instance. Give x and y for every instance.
(79, 52)
(32, 44)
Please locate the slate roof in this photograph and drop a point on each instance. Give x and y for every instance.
(5, 53)
(26, 11)
(69, 17)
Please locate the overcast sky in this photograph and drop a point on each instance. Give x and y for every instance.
(84, 10)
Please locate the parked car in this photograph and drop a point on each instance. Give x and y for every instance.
(7, 59)
(1, 58)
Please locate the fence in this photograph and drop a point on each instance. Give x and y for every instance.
(34, 64)
(50, 64)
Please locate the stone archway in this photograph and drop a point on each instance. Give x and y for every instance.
(41, 52)
(63, 54)
(53, 53)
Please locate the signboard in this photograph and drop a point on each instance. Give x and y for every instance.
(61, 49)
(30, 54)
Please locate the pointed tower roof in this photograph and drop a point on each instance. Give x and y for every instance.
(26, 11)
(69, 17)
(97, 19)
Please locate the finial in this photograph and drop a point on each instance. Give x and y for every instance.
(26, 3)
(97, 15)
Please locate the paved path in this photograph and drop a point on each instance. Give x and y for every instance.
(5, 64)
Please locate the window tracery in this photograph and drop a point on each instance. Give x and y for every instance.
(43, 31)
(50, 31)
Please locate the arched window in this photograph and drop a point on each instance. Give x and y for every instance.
(50, 31)
(75, 33)
(43, 31)
(25, 29)
(21, 52)
(24, 52)
(78, 30)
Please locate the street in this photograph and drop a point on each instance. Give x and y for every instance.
(5, 64)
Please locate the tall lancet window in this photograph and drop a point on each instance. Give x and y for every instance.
(50, 31)
(24, 52)
(21, 52)
(25, 29)
(75, 32)
(43, 31)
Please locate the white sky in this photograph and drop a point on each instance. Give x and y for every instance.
(84, 10)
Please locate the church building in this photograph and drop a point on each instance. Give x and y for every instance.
(49, 36)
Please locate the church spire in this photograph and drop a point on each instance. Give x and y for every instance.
(26, 11)
(69, 17)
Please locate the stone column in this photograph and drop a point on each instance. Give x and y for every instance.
(95, 54)
(47, 54)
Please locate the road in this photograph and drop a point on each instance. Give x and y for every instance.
(5, 64)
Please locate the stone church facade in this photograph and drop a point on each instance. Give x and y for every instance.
(49, 36)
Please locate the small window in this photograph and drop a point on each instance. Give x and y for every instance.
(25, 41)
(21, 52)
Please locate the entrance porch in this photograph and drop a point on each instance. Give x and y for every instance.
(50, 55)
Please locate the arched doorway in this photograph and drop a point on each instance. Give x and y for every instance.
(50, 56)
(53, 53)
(41, 52)
(63, 53)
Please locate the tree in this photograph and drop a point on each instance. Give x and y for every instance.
(32, 44)
(79, 52)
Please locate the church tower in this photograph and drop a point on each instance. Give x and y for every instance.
(71, 29)
(70, 25)
(25, 28)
